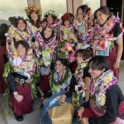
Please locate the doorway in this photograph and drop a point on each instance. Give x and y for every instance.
(115, 7)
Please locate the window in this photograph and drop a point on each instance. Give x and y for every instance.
(93, 4)
(10, 8)
(59, 6)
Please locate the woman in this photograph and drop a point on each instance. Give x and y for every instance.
(66, 44)
(51, 19)
(83, 24)
(45, 45)
(34, 15)
(82, 76)
(21, 69)
(19, 31)
(102, 108)
(108, 39)
(62, 85)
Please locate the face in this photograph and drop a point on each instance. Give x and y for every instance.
(21, 50)
(101, 18)
(50, 19)
(80, 15)
(34, 16)
(21, 25)
(79, 58)
(95, 72)
(59, 67)
(66, 23)
(47, 32)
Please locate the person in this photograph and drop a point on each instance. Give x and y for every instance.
(34, 14)
(45, 45)
(62, 84)
(19, 31)
(51, 19)
(108, 39)
(83, 24)
(102, 107)
(82, 76)
(66, 44)
(19, 78)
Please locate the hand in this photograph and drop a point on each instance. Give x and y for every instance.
(62, 99)
(62, 49)
(36, 44)
(46, 72)
(44, 101)
(17, 96)
(72, 36)
(84, 120)
(80, 111)
(116, 64)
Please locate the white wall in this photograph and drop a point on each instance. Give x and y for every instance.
(4, 21)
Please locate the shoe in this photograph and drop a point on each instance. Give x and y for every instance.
(19, 118)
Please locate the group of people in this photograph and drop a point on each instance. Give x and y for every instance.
(78, 59)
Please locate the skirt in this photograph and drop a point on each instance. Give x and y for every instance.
(44, 83)
(25, 106)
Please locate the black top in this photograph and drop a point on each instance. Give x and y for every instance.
(86, 73)
(71, 88)
(72, 84)
(113, 98)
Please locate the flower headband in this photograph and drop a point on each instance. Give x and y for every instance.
(33, 8)
(50, 12)
(67, 16)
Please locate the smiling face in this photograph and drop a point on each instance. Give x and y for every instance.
(21, 50)
(47, 32)
(101, 17)
(21, 25)
(34, 16)
(50, 19)
(80, 17)
(95, 72)
(59, 67)
(79, 58)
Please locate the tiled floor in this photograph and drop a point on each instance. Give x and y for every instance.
(33, 118)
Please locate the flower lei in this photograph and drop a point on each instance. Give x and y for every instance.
(19, 35)
(59, 85)
(78, 74)
(51, 43)
(102, 34)
(85, 28)
(98, 88)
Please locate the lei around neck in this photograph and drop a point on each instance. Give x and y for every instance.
(63, 80)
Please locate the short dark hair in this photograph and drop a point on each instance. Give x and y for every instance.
(63, 61)
(23, 43)
(103, 9)
(86, 53)
(99, 62)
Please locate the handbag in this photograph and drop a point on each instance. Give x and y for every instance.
(62, 114)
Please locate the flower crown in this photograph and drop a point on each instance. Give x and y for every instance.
(67, 16)
(50, 12)
(33, 8)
